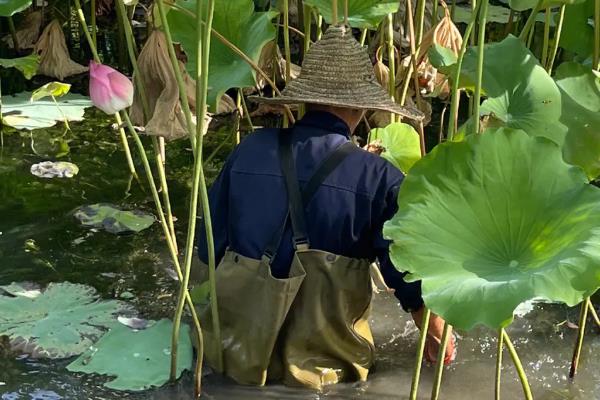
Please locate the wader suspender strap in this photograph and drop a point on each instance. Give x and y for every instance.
(297, 201)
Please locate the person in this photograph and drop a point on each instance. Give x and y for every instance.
(297, 217)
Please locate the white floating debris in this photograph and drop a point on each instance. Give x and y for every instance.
(52, 169)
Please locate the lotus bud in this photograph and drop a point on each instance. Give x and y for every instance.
(110, 90)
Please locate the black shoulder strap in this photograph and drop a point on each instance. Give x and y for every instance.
(326, 167)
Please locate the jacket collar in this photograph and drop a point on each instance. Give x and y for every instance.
(325, 121)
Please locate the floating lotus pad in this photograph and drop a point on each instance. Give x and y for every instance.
(361, 13)
(62, 321)
(138, 360)
(491, 222)
(19, 112)
(580, 90)
(236, 20)
(401, 144)
(52, 169)
(112, 219)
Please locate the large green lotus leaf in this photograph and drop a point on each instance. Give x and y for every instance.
(236, 20)
(62, 321)
(19, 112)
(493, 221)
(578, 33)
(27, 65)
(520, 93)
(522, 5)
(138, 360)
(401, 145)
(580, 90)
(361, 13)
(112, 219)
(11, 7)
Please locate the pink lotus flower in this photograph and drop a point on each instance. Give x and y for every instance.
(110, 90)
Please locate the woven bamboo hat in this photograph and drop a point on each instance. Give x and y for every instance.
(337, 71)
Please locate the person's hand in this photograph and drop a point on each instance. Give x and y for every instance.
(434, 338)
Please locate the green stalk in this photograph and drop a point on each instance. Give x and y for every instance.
(286, 41)
(439, 366)
(93, 22)
(546, 43)
(596, 59)
(420, 23)
(480, 51)
(319, 26)
(391, 60)
(454, 103)
(452, 9)
(518, 365)
(117, 117)
(510, 24)
(13, 33)
(409, 70)
(530, 21)
(593, 312)
(434, 13)
(363, 36)
(531, 35)
(414, 388)
(561, 19)
(499, 364)
(334, 12)
(245, 110)
(346, 13)
(307, 28)
(580, 334)
(177, 71)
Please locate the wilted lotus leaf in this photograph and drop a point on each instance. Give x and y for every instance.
(10, 7)
(112, 219)
(236, 20)
(62, 321)
(138, 360)
(361, 13)
(54, 55)
(493, 221)
(28, 31)
(51, 169)
(19, 112)
(520, 92)
(401, 145)
(27, 65)
(580, 91)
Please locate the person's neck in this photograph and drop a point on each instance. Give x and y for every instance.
(339, 112)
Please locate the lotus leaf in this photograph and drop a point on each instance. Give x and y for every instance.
(112, 219)
(577, 32)
(493, 221)
(27, 65)
(361, 13)
(522, 5)
(137, 360)
(19, 112)
(498, 14)
(580, 90)
(62, 321)
(51, 89)
(236, 20)
(11, 7)
(520, 92)
(401, 144)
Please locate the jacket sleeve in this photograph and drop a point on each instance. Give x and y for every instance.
(409, 294)
(218, 197)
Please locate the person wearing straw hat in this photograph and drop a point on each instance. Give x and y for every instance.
(297, 218)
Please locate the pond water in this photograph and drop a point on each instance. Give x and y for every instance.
(41, 241)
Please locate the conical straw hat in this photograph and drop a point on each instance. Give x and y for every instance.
(337, 71)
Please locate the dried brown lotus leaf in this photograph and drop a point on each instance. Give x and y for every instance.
(226, 105)
(28, 32)
(162, 93)
(271, 62)
(54, 55)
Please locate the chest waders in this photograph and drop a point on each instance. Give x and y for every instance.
(309, 329)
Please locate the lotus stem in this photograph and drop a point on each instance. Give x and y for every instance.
(434, 13)
(452, 9)
(596, 56)
(593, 312)
(414, 387)
(531, 35)
(391, 60)
(511, 22)
(583, 313)
(117, 117)
(546, 43)
(93, 21)
(245, 110)
(346, 13)
(559, 25)
(13, 34)
(286, 41)
(420, 22)
(307, 27)
(319, 26)
(518, 365)
(499, 364)
(411, 33)
(334, 12)
(455, 94)
(363, 36)
(439, 366)
(480, 51)
(185, 105)
(531, 20)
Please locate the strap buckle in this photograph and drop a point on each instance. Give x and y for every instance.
(301, 244)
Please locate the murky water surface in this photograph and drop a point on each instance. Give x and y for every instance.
(40, 241)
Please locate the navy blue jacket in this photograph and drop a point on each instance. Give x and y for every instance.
(346, 215)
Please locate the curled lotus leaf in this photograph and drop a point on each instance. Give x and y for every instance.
(62, 321)
(361, 13)
(493, 221)
(112, 219)
(137, 360)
